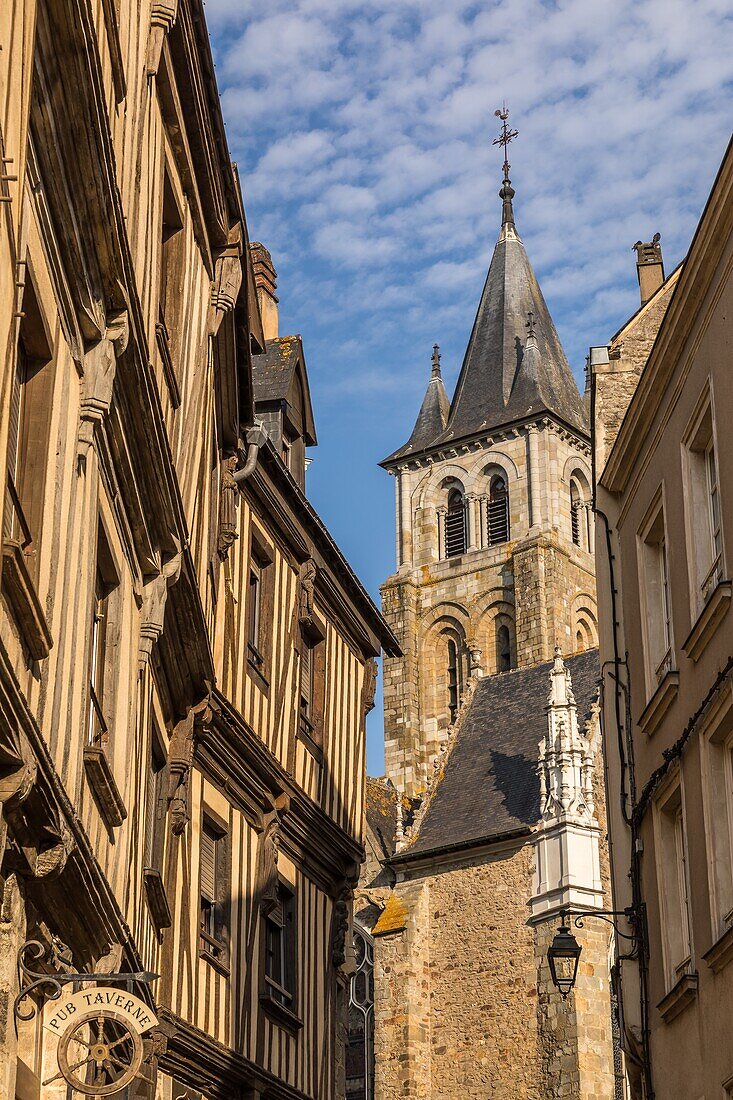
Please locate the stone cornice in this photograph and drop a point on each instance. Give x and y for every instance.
(496, 437)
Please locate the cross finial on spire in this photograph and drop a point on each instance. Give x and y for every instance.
(435, 372)
(507, 191)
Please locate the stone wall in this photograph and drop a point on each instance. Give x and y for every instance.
(465, 1006)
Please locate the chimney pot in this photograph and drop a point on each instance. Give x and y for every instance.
(649, 267)
(266, 285)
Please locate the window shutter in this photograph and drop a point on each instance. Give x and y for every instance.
(306, 671)
(208, 865)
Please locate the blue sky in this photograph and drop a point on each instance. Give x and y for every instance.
(363, 137)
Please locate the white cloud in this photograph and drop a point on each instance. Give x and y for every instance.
(364, 130)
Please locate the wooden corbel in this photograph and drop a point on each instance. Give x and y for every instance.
(155, 594)
(162, 17)
(100, 367)
(180, 761)
(306, 592)
(369, 686)
(228, 500)
(227, 276)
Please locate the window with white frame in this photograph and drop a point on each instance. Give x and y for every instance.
(656, 605)
(718, 805)
(702, 502)
(673, 884)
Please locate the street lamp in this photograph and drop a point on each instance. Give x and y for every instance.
(563, 955)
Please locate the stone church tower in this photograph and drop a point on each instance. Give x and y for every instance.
(491, 819)
(493, 517)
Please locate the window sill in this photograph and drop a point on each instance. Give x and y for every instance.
(312, 746)
(660, 702)
(708, 621)
(162, 339)
(281, 1015)
(20, 593)
(160, 911)
(721, 953)
(682, 994)
(217, 964)
(104, 788)
(255, 664)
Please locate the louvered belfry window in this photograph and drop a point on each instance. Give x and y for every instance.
(455, 524)
(498, 511)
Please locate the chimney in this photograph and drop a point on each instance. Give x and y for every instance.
(266, 284)
(649, 267)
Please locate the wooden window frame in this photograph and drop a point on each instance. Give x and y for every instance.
(279, 996)
(702, 503)
(214, 941)
(655, 595)
(311, 722)
(260, 614)
(673, 884)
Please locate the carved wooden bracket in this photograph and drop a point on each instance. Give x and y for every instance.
(340, 924)
(162, 17)
(100, 367)
(155, 594)
(369, 687)
(306, 592)
(228, 500)
(180, 760)
(227, 275)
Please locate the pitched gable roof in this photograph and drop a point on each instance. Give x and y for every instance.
(276, 376)
(490, 785)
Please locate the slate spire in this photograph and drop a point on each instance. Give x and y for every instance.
(512, 370)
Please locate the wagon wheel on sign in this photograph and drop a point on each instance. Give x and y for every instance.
(99, 1055)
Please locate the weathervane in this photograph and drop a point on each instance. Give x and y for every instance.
(506, 135)
(507, 191)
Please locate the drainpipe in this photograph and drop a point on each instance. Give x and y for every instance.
(599, 356)
(256, 437)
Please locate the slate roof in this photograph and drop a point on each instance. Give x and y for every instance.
(381, 811)
(490, 785)
(497, 385)
(273, 376)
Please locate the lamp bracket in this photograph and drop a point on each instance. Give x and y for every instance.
(33, 980)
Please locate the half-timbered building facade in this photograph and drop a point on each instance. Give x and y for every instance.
(186, 659)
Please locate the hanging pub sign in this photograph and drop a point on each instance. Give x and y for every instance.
(100, 1047)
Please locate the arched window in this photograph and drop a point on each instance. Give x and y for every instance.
(503, 648)
(579, 642)
(360, 1048)
(455, 524)
(454, 680)
(579, 512)
(498, 510)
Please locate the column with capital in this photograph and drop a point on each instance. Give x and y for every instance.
(442, 513)
(405, 519)
(534, 475)
(471, 533)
